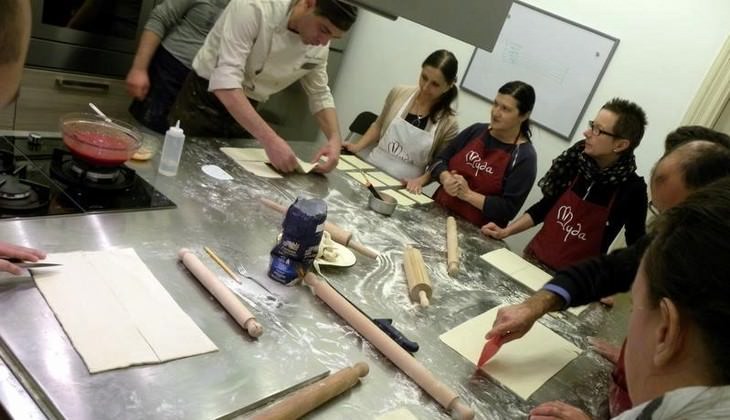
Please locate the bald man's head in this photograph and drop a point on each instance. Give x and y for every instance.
(14, 37)
(686, 168)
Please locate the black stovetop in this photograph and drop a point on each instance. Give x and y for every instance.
(45, 180)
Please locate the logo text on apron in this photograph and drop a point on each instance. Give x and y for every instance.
(475, 161)
(565, 216)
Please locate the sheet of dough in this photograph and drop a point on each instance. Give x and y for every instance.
(246, 154)
(251, 159)
(344, 166)
(399, 414)
(115, 312)
(418, 198)
(361, 179)
(523, 271)
(356, 162)
(259, 169)
(385, 179)
(522, 365)
(400, 198)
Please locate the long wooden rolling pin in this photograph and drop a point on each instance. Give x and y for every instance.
(223, 294)
(419, 285)
(338, 234)
(395, 353)
(452, 246)
(312, 396)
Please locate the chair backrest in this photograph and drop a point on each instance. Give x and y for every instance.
(361, 123)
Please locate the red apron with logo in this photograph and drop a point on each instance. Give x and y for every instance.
(572, 231)
(484, 170)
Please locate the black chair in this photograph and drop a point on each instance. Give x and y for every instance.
(360, 124)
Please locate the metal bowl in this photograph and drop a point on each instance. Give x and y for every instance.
(97, 141)
(385, 206)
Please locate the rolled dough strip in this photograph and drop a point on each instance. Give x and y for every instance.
(338, 234)
(316, 394)
(452, 246)
(227, 299)
(401, 358)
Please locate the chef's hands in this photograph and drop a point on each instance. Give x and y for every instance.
(138, 84)
(557, 410)
(493, 231)
(512, 322)
(332, 151)
(281, 155)
(9, 250)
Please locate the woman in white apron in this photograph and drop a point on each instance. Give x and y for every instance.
(416, 122)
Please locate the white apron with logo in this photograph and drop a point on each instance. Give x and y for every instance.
(403, 151)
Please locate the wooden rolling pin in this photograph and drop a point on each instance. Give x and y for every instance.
(337, 233)
(452, 246)
(401, 358)
(419, 285)
(223, 294)
(312, 396)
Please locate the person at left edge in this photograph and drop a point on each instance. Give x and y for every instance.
(14, 38)
(487, 171)
(255, 49)
(173, 34)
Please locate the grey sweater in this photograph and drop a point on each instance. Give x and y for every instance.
(183, 25)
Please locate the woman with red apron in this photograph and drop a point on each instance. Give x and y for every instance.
(590, 193)
(488, 170)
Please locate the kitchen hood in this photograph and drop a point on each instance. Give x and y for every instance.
(476, 22)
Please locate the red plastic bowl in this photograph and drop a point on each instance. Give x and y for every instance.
(94, 140)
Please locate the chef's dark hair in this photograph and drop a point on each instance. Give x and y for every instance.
(687, 263)
(341, 14)
(10, 30)
(447, 63)
(524, 94)
(630, 122)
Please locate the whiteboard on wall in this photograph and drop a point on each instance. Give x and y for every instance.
(562, 60)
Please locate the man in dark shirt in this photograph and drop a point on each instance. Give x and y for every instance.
(690, 164)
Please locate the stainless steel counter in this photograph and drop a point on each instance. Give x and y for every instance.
(302, 336)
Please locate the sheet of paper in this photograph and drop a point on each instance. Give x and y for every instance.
(418, 198)
(361, 179)
(115, 312)
(400, 198)
(385, 179)
(522, 365)
(356, 162)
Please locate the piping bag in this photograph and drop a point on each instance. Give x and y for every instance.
(491, 347)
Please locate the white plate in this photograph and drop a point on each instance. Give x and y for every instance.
(345, 257)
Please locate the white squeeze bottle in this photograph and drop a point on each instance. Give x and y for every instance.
(172, 150)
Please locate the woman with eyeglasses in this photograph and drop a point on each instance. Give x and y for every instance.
(487, 171)
(590, 192)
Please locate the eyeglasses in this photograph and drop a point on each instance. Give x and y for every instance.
(652, 209)
(597, 131)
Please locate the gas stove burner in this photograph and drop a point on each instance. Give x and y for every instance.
(73, 172)
(20, 196)
(94, 174)
(7, 161)
(12, 189)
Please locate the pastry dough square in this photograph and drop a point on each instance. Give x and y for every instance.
(115, 312)
(522, 365)
(399, 198)
(356, 162)
(385, 179)
(361, 179)
(505, 260)
(418, 198)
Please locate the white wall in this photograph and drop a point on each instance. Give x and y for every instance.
(665, 49)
